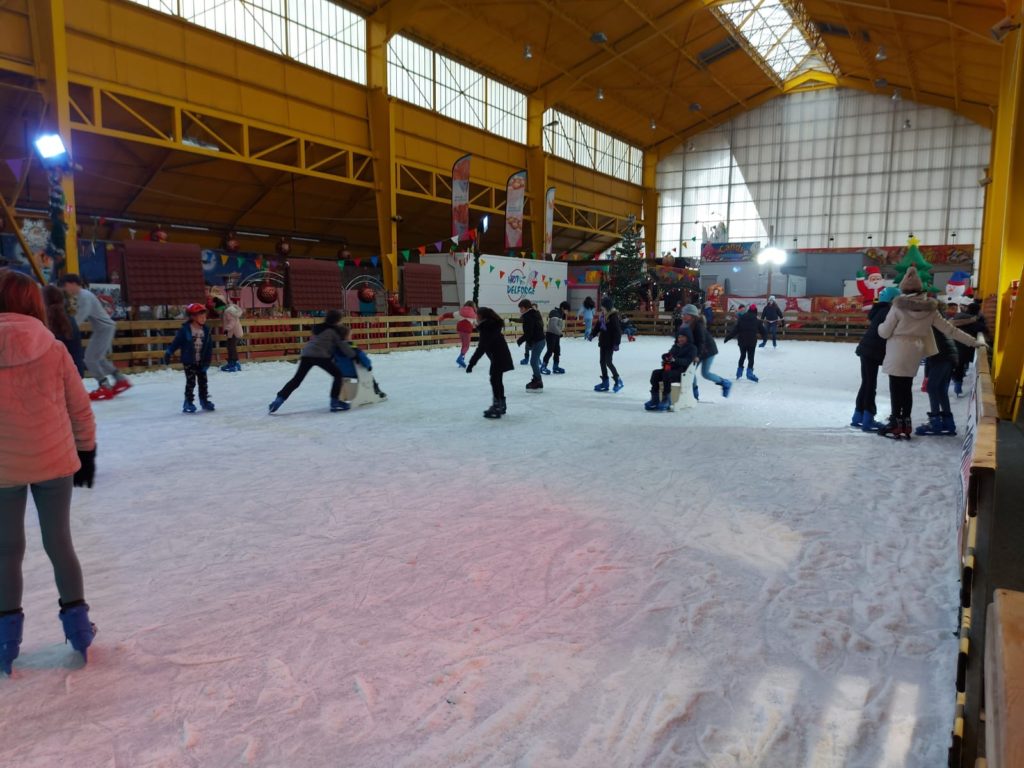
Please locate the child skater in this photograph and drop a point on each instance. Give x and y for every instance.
(533, 340)
(609, 336)
(231, 324)
(747, 327)
(467, 315)
(348, 356)
(196, 344)
(491, 342)
(553, 337)
(871, 351)
(326, 340)
(673, 365)
(587, 314)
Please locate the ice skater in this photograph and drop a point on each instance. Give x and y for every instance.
(327, 339)
(871, 351)
(674, 364)
(553, 337)
(491, 342)
(706, 349)
(908, 330)
(772, 316)
(464, 327)
(110, 381)
(971, 322)
(63, 326)
(195, 341)
(231, 325)
(745, 331)
(609, 336)
(533, 340)
(47, 446)
(348, 356)
(586, 314)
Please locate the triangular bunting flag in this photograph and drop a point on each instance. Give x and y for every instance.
(523, 254)
(374, 260)
(472, 233)
(558, 283)
(533, 283)
(356, 261)
(15, 164)
(439, 245)
(259, 263)
(224, 259)
(533, 255)
(482, 261)
(492, 268)
(341, 263)
(501, 274)
(405, 255)
(240, 261)
(455, 239)
(422, 249)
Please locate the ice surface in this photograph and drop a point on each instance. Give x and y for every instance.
(581, 583)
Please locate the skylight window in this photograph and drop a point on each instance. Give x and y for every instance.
(769, 31)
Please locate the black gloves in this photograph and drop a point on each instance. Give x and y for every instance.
(83, 477)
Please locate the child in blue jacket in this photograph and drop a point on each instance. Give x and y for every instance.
(348, 364)
(196, 344)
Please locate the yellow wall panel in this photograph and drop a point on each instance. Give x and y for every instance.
(257, 67)
(91, 57)
(15, 33)
(209, 90)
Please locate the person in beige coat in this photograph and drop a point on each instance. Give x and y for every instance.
(908, 330)
(47, 445)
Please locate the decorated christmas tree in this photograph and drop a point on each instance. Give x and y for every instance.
(915, 258)
(626, 273)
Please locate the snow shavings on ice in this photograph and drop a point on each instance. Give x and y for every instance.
(581, 583)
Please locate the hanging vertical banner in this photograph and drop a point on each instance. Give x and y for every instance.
(460, 196)
(549, 218)
(515, 197)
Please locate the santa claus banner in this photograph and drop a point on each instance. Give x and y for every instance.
(460, 196)
(515, 198)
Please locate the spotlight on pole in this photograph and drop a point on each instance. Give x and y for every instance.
(483, 223)
(772, 256)
(51, 148)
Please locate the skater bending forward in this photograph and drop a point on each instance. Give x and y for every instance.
(47, 445)
(327, 339)
(491, 342)
(673, 365)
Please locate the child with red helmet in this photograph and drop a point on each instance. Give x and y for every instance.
(196, 344)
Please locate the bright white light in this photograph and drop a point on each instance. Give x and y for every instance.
(484, 222)
(50, 146)
(772, 256)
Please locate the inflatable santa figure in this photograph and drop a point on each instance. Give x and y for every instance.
(870, 283)
(958, 289)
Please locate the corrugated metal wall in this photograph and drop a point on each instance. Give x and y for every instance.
(835, 168)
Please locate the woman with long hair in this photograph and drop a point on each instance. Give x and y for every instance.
(63, 326)
(47, 446)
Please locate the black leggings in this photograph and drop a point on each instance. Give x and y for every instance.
(662, 378)
(232, 344)
(868, 386)
(606, 363)
(747, 353)
(497, 385)
(554, 348)
(305, 363)
(193, 374)
(901, 395)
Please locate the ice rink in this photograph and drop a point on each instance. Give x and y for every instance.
(581, 583)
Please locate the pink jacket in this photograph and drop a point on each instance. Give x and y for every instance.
(45, 413)
(231, 321)
(466, 316)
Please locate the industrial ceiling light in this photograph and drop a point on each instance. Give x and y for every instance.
(896, 95)
(881, 55)
(600, 94)
(51, 147)
(694, 107)
(653, 124)
(906, 124)
(881, 82)
(599, 38)
(527, 52)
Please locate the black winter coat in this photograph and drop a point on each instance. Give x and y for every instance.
(964, 353)
(771, 312)
(533, 327)
(491, 342)
(746, 330)
(872, 346)
(703, 340)
(610, 334)
(947, 348)
(679, 358)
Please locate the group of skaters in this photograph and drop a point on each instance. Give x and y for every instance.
(905, 325)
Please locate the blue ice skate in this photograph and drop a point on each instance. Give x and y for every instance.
(188, 407)
(619, 384)
(207, 405)
(10, 639)
(78, 630)
(278, 402)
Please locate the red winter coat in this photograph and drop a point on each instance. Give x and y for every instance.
(45, 413)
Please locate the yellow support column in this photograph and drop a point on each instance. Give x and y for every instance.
(47, 19)
(650, 204)
(536, 171)
(1008, 354)
(382, 141)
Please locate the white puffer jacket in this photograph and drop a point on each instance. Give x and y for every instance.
(231, 321)
(45, 413)
(908, 328)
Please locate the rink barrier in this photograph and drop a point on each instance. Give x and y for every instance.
(978, 466)
(139, 344)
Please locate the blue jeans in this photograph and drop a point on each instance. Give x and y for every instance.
(705, 371)
(773, 327)
(939, 373)
(535, 353)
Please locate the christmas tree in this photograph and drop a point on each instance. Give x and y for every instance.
(626, 273)
(915, 258)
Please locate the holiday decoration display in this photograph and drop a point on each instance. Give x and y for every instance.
(958, 289)
(158, 234)
(56, 243)
(366, 294)
(231, 244)
(283, 247)
(870, 283)
(267, 292)
(913, 257)
(626, 272)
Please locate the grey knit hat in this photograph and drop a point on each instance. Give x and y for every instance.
(689, 309)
